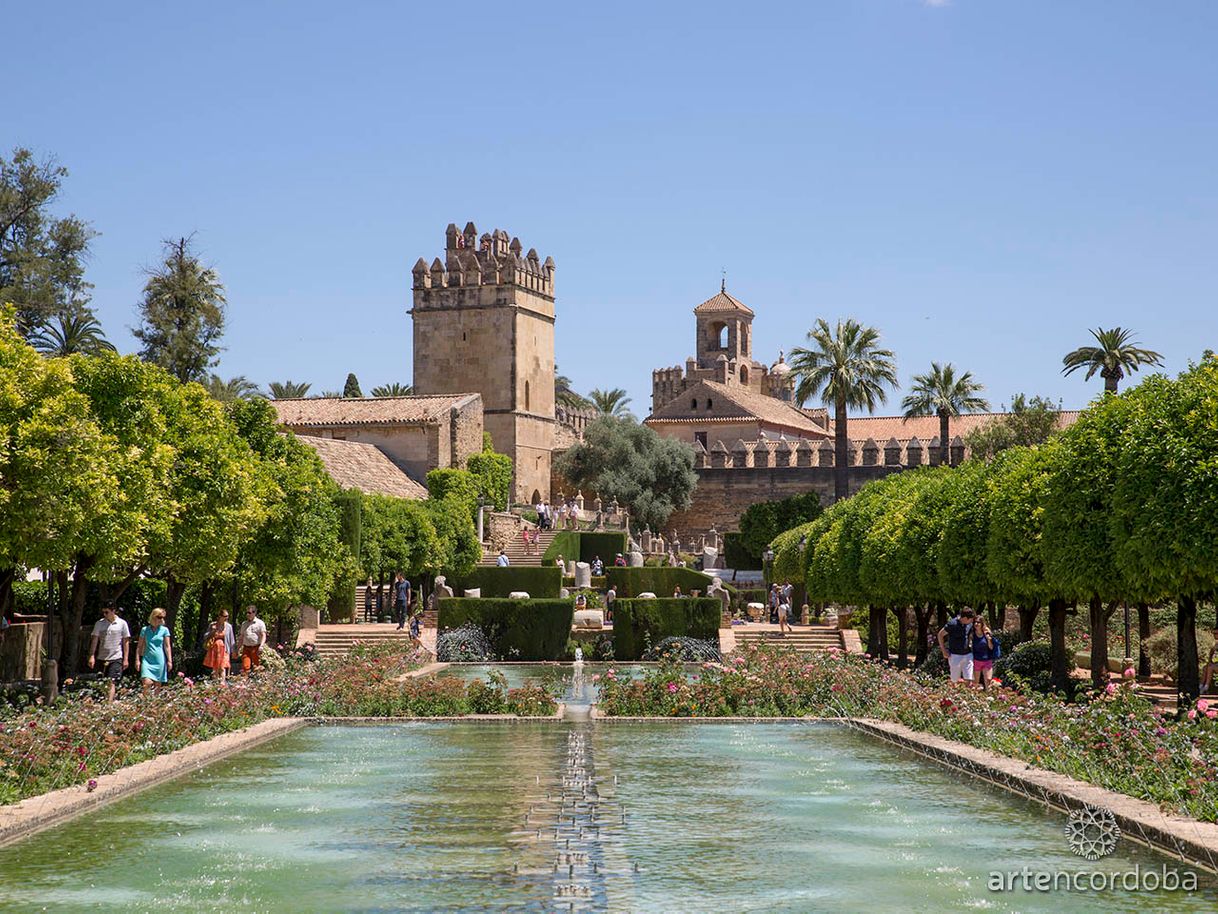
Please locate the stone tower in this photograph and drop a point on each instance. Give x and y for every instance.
(484, 321)
(725, 329)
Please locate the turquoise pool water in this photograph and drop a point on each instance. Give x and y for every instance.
(544, 816)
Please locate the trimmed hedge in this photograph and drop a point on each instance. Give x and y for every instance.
(584, 546)
(539, 583)
(631, 582)
(516, 629)
(641, 624)
(737, 556)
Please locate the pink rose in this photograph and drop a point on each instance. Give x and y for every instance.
(1211, 714)
(1202, 704)
(672, 687)
(1192, 714)
(1129, 673)
(1110, 689)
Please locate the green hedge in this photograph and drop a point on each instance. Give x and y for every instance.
(585, 546)
(631, 582)
(737, 556)
(516, 629)
(538, 582)
(640, 624)
(341, 605)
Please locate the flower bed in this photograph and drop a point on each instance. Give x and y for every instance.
(82, 736)
(1117, 740)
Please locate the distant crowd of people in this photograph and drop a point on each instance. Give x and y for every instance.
(110, 647)
(562, 517)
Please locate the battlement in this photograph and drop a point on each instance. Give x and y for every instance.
(494, 259)
(775, 453)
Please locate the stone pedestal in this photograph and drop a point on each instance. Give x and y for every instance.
(583, 575)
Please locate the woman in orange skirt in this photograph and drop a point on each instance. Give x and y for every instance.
(218, 647)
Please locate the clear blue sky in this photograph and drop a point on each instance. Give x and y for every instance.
(983, 180)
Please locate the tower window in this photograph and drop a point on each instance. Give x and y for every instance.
(463, 336)
(709, 401)
(526, 394)
(693, 404)
(744, 375)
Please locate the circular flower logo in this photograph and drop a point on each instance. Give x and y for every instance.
(1092, 832)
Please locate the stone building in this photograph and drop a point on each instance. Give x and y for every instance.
(416, 434)
(484, 322)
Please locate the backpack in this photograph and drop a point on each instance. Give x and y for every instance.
(997, 647)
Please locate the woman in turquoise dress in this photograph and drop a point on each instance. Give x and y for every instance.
(154, 651)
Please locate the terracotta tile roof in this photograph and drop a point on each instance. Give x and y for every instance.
(881, 428)
(330, 411)
(358, 465)
(735, 404)
(722, 303)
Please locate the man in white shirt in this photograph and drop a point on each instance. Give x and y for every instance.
(502, 561)
(253, 637)
(109, 643)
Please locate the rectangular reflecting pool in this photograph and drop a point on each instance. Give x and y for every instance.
(546, 816)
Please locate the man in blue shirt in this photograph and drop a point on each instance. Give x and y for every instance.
(955, 641)
(502, 561)
(401, 593)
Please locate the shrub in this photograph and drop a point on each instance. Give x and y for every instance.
(565, 543)
(631, 582)
(493, 473)
(736, 555)
(516, 629)
(1161, 646)
(584, 546)
(445, 482)
(640, 624)
(540, 583)
(1027, 660)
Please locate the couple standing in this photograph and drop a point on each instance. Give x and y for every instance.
(970, 647)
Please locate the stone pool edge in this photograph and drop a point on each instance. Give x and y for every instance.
(35, 814)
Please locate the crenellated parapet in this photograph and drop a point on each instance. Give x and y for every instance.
(774, 454)
(492, 259)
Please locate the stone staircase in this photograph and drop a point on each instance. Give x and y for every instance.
(336, 640)
(804, 639)
(515, 551)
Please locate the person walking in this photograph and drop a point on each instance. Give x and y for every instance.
(154, 650)
(218, 647)
(253, 638)
(610, 597)
(955, 641)
(774, 600)
(598, 567)
(401, 597)
(110, 643)
(368, 601)
(986, 650)
(784, 613)
(416, 629)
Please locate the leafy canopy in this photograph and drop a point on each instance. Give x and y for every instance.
(181, 314)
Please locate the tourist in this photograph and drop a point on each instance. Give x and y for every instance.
(110, 643)
(784, 612)
(253, 638)
(581, 602)
(610, 597)
(955, 641)
(368, 601)
(542, 515)
(598, 567)
(1211, 666)
(524, 536)
(562, 566)
(986, 650)
(416, 629)
(774, 599)
(218, 646)
(788, 591)
(401, 597)
(154, 650)
(502, 561)
(619, 561)
(677, 591)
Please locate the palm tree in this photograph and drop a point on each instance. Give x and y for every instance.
(941, 393)
(1116, 354)
(847, 367)
(610, 402)
(565, 395)
(331, 395)
(236, 388)
(288, 390)
(393, 390)
(74, 331)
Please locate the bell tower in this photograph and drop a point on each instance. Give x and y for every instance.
(724, 329)
(484, 322)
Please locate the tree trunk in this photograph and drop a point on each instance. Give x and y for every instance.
(1060, 676)
(873, 632)
(1188, 678)
(74, 617)
(945, 452)
(922, 617)
(1027, 620)
(881, 620)
(997, 611)
(902, 615)
(7, 576)
(841, 472)
(1143, 634)
(173, 600)
(206, 593)
(1110, 383)
(941, 614)
(1098, 620)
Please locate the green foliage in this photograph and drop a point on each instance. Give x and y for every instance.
(618, 458)
(538, 583)
(181, 314)
(611, 402)
(1115, 354)
(790, 553)
(1161, 646)
(584, 546)
(350, 507)
(76, 330)
(41, 257)
(630, 582)
(459, 486)
(288, 390)
(238, 387)
(638, 625)
(493, 473)
(1030, 422)
(351, 387)
(1031, 660)
(736, 556)
(763, 521)
(566, 544)
(516, 629)
(394, 389)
